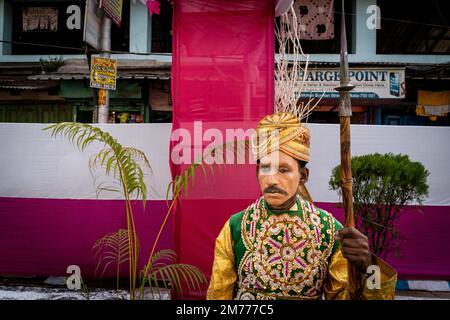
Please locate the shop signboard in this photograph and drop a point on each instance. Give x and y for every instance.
(370, 83)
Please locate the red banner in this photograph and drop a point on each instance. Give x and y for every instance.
(222, 78)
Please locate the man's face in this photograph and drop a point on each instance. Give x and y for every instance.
(279, 176)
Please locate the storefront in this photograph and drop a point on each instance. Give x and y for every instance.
(126, 102)
(142, 90)
(387, 94)
(25, 100)
(375, 86)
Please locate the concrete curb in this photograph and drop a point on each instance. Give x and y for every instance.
(422, 285)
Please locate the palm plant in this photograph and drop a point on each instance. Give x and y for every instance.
(124, 165)
(164, 270)
(112, 249)
(179, 186)
(153, 268)
(121, 163)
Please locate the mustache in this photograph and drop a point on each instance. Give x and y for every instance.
(273, 189)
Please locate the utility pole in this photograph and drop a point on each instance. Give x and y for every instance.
(103, 94)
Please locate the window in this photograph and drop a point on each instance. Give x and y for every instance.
(162, 29)
(332, 45)
(409, 27)
(55, 27)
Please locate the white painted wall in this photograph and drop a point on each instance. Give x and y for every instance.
(428, 145)
(34, 165)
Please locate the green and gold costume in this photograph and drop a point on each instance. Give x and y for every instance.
(293, 254)
(260, 254)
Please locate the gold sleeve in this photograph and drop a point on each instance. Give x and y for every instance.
(336, 283)
(223, 276)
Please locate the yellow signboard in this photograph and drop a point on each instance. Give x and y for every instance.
(103, 73)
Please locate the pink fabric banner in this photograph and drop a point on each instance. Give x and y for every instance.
(223, 74)
(223, 56)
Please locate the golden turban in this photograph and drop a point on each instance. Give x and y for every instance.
(282, 131)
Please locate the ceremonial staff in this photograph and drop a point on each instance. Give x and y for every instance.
(355, 279)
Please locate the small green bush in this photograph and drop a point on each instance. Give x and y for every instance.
(383, 184)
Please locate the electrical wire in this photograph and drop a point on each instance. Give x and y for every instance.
(402, 21)
(83, 50)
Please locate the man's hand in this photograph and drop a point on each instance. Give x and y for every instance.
(355, 247)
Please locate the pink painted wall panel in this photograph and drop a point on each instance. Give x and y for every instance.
(423, 239)
(41, 237)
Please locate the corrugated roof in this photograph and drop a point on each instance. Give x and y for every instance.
(78, 69)
(27, 85)
(86, 76)
(21, 87)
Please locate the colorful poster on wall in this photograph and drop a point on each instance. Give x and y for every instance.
(113, 9)
(39, 19)
(370, 83)
(103, 73)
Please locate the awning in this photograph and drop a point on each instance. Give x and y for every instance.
(433, 104)
(86, 76)
(78, 69)
(27, 85)
(12, 87)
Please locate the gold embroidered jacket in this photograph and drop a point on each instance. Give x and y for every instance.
(290, 255)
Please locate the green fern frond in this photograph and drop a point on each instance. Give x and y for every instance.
(176, 275)
(164, 271)
(163, 257)
(112, 249)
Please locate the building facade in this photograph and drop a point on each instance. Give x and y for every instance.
(44, 72)
(399, 55)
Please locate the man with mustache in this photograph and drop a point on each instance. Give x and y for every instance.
(282, 246)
